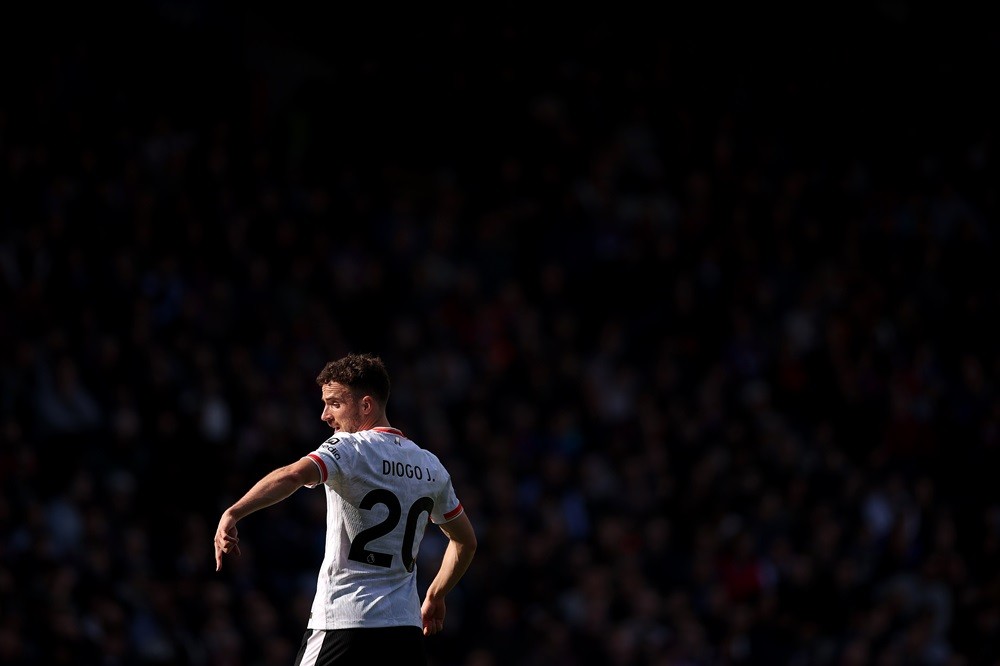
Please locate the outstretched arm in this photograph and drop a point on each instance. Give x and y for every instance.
(454, 563)
(271, 489)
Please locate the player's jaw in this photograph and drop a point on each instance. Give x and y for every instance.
(341, 424)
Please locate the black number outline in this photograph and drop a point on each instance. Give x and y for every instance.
(359, 551)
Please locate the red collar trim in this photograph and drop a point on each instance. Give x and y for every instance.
(391, 431)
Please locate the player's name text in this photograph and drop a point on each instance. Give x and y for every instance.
(406, 470)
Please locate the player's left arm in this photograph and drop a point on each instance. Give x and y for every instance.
(454, 563)
(271, 489)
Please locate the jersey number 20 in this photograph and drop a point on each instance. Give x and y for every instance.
(359, 552)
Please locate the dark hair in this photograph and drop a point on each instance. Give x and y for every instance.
(364, 374)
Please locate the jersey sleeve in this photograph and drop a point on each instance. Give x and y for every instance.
(331, 458)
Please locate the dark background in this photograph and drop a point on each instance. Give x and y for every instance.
(697, 304)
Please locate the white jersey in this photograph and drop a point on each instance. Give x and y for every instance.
(381, 491)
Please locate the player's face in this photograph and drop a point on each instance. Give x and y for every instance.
(340, 410)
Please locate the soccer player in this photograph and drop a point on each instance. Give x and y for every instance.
(381, 492)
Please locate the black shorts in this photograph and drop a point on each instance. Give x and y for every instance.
(399, 646)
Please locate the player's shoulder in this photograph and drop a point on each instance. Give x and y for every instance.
(339, 439)
(339, 444)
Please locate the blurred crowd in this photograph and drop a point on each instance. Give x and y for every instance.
(710, 352)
